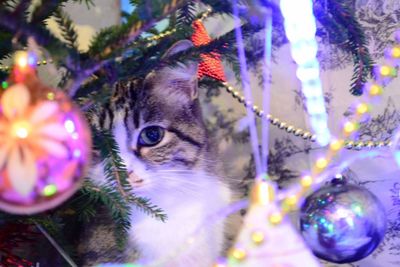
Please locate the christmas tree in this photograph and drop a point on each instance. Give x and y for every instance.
(130, 51)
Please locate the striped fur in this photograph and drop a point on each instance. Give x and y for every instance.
(181, 174)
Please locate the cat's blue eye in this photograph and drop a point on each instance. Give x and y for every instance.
(151, 136)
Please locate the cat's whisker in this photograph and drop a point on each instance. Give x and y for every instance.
(179, 179)
(183, 180)
(213, 161)
(190, 172)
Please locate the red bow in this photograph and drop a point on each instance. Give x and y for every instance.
(211, 64)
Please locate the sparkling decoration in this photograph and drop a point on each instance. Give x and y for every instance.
(300, 28)
(45, 144)
(210, 65)
(342, 223)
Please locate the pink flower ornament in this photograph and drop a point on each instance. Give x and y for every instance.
(27, 134)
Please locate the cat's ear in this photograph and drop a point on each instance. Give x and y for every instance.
(181, 77)
(189, 67)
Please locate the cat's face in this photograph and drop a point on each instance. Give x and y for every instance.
(159, 128)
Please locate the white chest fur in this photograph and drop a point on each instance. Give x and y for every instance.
(189, 237)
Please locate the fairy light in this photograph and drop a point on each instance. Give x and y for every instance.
(292, 200)
(387, 71)
(275, 217)
(24, 63)
(257, 237)
(238, 253)
(300, 30)
(375, 89)
(349, 127)
(321, 163)
(21, 59)
(290, 203)
(395, 52)
(306, 181)
(362, 108)
(336, 145)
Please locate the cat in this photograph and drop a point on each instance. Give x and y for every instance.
(171, 160)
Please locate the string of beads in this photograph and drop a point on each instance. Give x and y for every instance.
(296, 131)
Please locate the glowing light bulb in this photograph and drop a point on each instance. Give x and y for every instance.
(321, 163)
(275, 218)
(292, 200)
(349, 127)
(385, 70)
(395, 53)
(21, 59)
(306, 181)
(257, 237)
(362, 108)
(375, 89)
(336, 145)
(238, 254)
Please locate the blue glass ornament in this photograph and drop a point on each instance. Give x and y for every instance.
(342, 222)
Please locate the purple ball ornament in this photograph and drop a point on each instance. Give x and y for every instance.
(342, 222)
(45, 145)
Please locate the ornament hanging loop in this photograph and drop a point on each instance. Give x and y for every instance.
(338, 180)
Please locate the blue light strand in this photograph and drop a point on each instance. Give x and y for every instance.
(300, 28)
